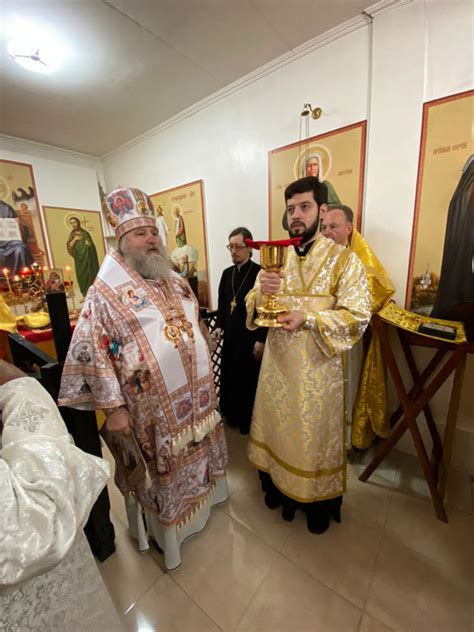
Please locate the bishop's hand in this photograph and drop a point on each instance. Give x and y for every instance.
(118, 420)
(9, 372)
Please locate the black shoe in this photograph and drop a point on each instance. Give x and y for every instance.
(273, 499)
(288, 512)
(265, 481)
(318, 521)
(334, 508)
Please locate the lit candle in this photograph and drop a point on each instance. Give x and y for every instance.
(68, 273)
(17, 284)
(5, 274)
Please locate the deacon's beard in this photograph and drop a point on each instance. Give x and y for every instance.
(307, 234)
(149, 266)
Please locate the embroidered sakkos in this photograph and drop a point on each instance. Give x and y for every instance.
(122, 354)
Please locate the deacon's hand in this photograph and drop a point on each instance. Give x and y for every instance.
(9, 372)
(293, 320)
(119, 420)
(258, 350)
(270, 282)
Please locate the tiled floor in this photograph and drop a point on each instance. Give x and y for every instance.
(390, 565)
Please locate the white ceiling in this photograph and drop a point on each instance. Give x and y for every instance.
(133, 64)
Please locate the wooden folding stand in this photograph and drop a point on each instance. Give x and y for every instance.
(415, 401)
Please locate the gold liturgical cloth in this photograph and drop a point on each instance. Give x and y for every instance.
(7, 319)
(369, 416)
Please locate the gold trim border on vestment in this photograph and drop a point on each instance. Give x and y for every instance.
(294, 470)
(298, 499)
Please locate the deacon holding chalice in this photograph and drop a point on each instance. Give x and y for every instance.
(320, 309)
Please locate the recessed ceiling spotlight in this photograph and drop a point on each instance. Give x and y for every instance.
(34, 50)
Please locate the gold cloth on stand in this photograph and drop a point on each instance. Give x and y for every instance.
(7, 319)
(36, 320)
(410, 321)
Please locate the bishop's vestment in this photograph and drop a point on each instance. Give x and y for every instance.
(138, 344)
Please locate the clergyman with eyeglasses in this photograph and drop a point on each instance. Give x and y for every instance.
(242, 349)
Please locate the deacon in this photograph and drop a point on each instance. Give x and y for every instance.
(296, 438)
(146, 364)
(242, 349)
(365, 393)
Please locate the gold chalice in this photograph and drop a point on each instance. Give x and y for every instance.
(273, 255)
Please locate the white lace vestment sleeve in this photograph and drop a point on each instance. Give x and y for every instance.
(47, 484)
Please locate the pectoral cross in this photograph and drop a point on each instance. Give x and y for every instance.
(233, 305)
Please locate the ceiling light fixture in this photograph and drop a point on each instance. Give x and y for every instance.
(34, 50)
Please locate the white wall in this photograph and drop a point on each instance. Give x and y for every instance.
(226, 144)
(394, 137)
(449, 38)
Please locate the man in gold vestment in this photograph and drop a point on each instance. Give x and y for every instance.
(297, 432)
(366, 397)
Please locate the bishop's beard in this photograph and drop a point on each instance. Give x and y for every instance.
(149, 266)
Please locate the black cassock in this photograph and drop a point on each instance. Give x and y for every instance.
(456, 284)
(239, 369)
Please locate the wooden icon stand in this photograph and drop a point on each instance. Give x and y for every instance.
(417, 400)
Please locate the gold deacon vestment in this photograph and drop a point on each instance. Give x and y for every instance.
(369, 416)
(297, 432)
